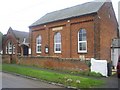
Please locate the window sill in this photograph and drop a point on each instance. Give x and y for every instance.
(57, 52)
(82, 52)
(38, 52)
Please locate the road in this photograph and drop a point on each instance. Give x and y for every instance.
(111, 82)
(13, 81)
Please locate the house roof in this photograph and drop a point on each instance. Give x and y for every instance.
(20, 35)
(75, 11)
(116, 43)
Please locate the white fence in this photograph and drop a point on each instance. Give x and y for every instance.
(99, 66)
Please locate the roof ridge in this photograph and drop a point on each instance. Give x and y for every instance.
(67, 7)
(20, 31)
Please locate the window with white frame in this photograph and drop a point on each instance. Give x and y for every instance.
(82, 42)
(13, 49)
(38, 44)
(10, 48)
(7, 49)
(57, 42)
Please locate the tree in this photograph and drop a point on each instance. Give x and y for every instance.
(1, 40)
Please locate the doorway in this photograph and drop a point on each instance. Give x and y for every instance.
(25, 50)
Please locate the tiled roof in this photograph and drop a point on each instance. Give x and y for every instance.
(75, 11)
(20, 35)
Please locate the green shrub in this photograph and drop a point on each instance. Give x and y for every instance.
(95, 74)
(87, 73)
(88, 63)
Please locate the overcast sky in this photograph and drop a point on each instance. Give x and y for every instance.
(19, 14)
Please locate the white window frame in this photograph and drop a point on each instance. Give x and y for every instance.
(13, 49)
(57, 43)
(7, 49)
(10, 48)
(83, 41)
(38, 44)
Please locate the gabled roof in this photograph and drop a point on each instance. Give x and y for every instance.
(75, 11)
(20, 35)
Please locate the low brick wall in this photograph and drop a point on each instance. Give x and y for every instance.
(9, 59)
(5, 58)
(54, 63)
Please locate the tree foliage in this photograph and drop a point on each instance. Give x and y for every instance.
(1, 40)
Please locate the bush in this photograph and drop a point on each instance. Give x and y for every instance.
(95, 74)
(87, 73)
(88, 63)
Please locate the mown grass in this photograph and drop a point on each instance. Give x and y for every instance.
(65, 79)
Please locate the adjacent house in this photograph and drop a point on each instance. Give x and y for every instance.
(16, 43)
(115, 51)
(84, 31)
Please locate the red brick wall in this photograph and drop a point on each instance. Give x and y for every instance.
(75, 27)
(9, 59)
(5, 59)
(108, 30)
(54, 63)
(69, 37)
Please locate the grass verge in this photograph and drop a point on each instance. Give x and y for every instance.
(65, 79)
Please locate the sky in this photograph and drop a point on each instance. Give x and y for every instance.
(20, 14)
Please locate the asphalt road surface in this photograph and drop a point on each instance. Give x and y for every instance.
(13, 81)
(111, 82)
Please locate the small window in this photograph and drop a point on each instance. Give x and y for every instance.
(13, 49)
(57, 43)
(7, 49)
(82, 42)
(38, 44)
(10, 48)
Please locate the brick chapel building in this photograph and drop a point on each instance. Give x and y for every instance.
(15, 43)
(82, 31)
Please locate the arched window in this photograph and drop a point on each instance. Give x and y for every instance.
(57, 42)
(82, 41)
(38, 44)
(10, 48)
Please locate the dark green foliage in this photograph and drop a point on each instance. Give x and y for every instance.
(1, 41)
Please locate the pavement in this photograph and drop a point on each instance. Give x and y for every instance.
(13, 81)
